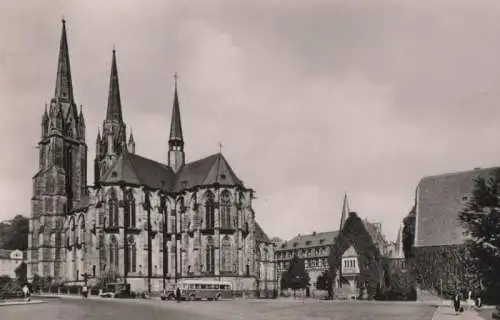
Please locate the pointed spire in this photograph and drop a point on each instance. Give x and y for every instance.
(45, 114)
(81, 117)
(98, 135)
(114, 111)
(131, 138)
(131, 143)
(64, 85)
(176, 137)
(345, 212)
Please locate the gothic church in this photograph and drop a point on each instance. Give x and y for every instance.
(147, 223)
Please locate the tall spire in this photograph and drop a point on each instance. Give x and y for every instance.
(64, 85)
(176, 137)
(345, 212)
(114, 111)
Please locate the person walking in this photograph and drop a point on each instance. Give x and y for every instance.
(178, 295)
(85, 291)
(26, 292)
(456, 302)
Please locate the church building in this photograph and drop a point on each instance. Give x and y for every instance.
(145, 223)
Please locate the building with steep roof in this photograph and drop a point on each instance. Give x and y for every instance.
(314, 249)
(10, 260)
(145, 223)
(438, 202)
(439, 237)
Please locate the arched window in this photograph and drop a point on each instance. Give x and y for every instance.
(210, 256)
(132, 256)
(82, 228)
(210, 211)
(129, 209)
(182, 214)
(226, 255)
(112, 210)
(113, 253)
(225, 210)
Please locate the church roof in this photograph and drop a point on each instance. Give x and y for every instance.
(133, 169)
(260, 235)
(310, 240)
(206, 171)
(136, 170)
(439, 201)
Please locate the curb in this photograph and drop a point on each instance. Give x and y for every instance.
(20, 303)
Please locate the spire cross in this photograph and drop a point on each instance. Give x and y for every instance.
(220, 147)
(176, 77)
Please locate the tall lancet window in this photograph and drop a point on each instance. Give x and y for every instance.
(113, 253)
(112, 209)
(210, 256)
(226, 255)
(129, 209)
(132, 255)
(225, 210)
(209, 210)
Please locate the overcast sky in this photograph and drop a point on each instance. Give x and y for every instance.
(310, 98)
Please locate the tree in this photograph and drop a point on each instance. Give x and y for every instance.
(369, 259)
(21, 272)
(296, 277)
(409, 234)
(481, 220)
(14, 233)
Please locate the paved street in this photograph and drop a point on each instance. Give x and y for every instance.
(73, 309)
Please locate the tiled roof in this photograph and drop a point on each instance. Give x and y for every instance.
(206, 171)
(136, 170)
(310, 240)
(260, 235)
(439, 201)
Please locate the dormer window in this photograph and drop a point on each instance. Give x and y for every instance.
(295, 244)
(321, 241)
(114, 174)
(308, 243)
(223, 176)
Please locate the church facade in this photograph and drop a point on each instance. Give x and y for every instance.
(143, 222)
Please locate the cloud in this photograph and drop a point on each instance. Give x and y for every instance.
(309, 100)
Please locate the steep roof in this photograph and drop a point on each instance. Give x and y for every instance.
(136, 170)
(206, 171)
(439, 201)
(260, 235)
(310, 240)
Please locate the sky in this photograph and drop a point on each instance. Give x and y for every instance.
(310, 99)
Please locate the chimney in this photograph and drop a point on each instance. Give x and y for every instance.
(314, 233)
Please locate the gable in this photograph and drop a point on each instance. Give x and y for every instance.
(350, 252)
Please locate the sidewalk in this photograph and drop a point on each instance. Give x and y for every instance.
(447, 313)
(19, 302)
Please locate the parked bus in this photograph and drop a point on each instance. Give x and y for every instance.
(192, 289)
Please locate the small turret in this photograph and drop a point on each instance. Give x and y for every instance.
(131, 143)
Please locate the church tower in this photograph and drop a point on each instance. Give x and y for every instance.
(113, 140)
(176, 157)
(62, 178)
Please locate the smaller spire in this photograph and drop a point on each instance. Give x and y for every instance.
(114, 111)
(98, 135)
(345, 211)
(64, 85)
(131, 144)
(131, 138)
(45, 114)
(176, 137)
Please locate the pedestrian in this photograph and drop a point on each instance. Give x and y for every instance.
(178, 295)
(85, 291)
(456, 302)
(26, 292)
(478, 299)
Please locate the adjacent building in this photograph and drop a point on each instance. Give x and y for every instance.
(10, 260)
(314, 250)
(439, 236)
(144, 222)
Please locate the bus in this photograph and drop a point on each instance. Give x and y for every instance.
(192, 289)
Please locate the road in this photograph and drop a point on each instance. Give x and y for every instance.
(224, 310)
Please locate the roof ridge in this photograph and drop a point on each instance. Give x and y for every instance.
(134, 169)
(216, 156)
(149, 159)
(448, 174)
